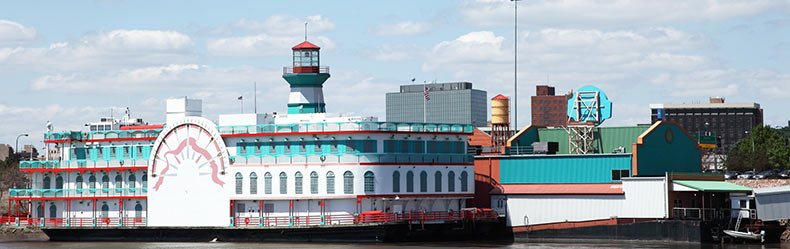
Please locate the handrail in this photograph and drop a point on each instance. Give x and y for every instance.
(411, 217)
(82, 163)
(81, 192)
(345, 126)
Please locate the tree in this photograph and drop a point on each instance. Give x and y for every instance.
(765, 149)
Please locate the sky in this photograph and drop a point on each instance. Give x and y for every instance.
(71, 62)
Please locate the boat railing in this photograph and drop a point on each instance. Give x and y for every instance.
(82, 163)
(355, 158)
(712, 213)
(94, 135)
(86, 193)
(345, 126)
(78, 221)
(365, 217)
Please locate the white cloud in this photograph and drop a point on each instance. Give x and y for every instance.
(278, 24)
(174, 78)
(261, 45)
(114, 49)
(401, 28)
(712, 82)
(15, 33)
(142, 40)
(396, 52)
(609, 13)
(473, 47)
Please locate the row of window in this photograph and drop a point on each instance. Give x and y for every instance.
(133, 152)
(348, 182)
(424, 181)
(417, 146)
(306, 147)
(348, 147)
(105, 180)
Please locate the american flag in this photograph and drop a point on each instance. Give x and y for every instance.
(427, 97)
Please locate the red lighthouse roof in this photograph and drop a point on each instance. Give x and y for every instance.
(500, 97)
(305, 44)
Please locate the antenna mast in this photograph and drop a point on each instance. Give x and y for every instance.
(305, 31)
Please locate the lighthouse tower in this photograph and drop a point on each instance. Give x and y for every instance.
(306, 78)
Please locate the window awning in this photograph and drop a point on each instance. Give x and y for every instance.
(707, 186)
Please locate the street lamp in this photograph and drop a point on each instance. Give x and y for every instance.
(16, 149)
(751, 157)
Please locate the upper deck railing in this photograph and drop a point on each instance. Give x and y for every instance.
(346, 126)
(78, 193)
(82, 163)
(91, 135)
(272, 128)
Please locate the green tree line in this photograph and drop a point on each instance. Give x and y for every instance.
(767, 148)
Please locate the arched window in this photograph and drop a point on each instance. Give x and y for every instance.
(464, 181)
(283, 183)
(396, 181)
(253, 183)
(47, 182)
(118, 181)
(239, 179)
(298, 182)
(330, 182)
(267, 183)
(313, 182)
(92, 182)
(132, 181)
(451, 181)
(409, 181)
(145, 180)
(138, 210)
(423, 181)
(40, 210)
(59, 182)
(370, 182)
(348, 183)
(105, 183)
(79, 183)
(437, 181)
(105, 211)
(53, 211)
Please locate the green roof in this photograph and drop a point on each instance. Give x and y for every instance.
(712, 185)
(606, 140)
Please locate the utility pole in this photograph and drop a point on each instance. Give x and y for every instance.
(515, 64)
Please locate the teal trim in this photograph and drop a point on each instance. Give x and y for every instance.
(106, 153)
(562, 168)
(119, 153)
(146, 152)
(298, 108)
(306, 79)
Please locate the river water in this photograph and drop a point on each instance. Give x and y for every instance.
(38, 243)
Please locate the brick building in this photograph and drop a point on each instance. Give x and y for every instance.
(549, 109)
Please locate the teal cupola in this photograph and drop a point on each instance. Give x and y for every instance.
(306, 78)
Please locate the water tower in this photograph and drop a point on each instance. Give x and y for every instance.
(588, 108)
(306, 78)
(500, 120)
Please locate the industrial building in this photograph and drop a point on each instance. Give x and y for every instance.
(729, 121)
(626, 174)
(549, 109)
(454, 102)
